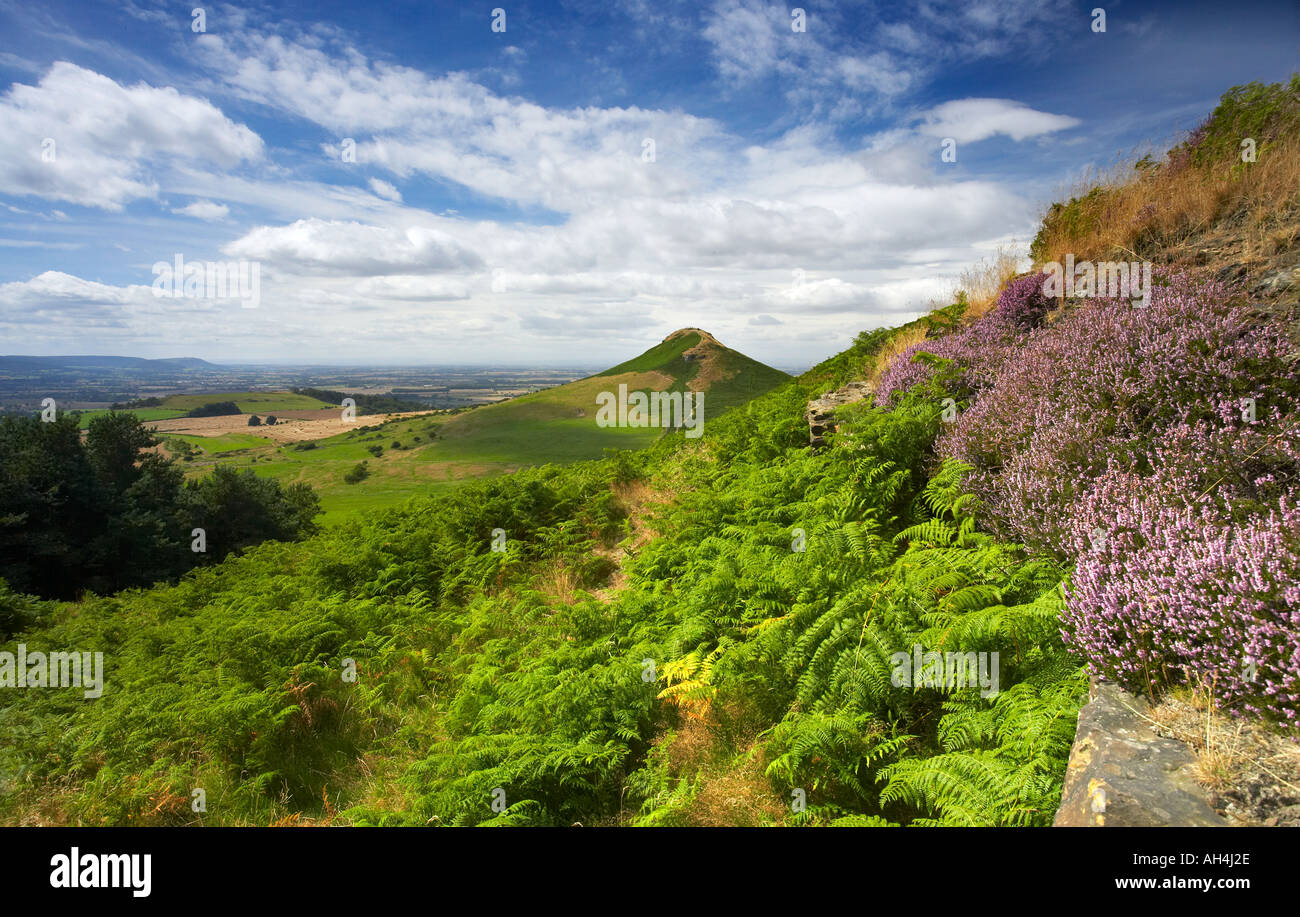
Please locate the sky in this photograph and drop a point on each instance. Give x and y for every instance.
(561, 183)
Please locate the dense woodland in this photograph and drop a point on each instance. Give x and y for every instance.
(101, 513)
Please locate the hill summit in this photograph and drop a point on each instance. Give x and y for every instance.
(560, 424)
(691, 359)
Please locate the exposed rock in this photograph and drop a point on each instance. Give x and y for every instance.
(1276, 283)
(821, 411)
(1288, 817)
(1122, 774)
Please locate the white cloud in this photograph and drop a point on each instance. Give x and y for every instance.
(55, 288)
(204, 210)
(386, 190)
(839, 71)
(414, 288)
(78, 136)
(707, 234)
(970, 120)
(338, 247)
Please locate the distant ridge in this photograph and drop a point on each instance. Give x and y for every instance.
(89, 361)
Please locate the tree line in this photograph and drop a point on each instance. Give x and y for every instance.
(100, 513)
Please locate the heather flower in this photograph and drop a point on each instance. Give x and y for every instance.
(1116, 384)
(979, 350)
(1178, 592)
(1158, 448)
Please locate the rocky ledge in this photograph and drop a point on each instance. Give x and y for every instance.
(1122, 774)
(821, 411)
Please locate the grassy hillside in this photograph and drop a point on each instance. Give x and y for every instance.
(556, 425)
(709, 632)
(694, 360)
(434, 452)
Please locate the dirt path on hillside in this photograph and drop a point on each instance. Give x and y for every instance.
(639, 499)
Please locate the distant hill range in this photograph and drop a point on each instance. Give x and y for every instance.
(17, 363)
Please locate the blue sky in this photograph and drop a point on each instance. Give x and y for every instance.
(503, 205)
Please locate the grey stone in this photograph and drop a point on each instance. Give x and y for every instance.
(1121, 774)
(1276, 282)
(821, 411)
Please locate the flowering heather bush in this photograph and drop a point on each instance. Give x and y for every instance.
(1021, 305)
(1158, 448)
(977, 351)
(1103, 387)
(1165, 590)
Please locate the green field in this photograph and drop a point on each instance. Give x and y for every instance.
(489, 441)
(227, 442)
(145, 414)
(248, 402)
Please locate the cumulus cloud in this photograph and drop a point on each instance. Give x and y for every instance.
(345, 247)
(62, 291)
(700, 226)
(78, 136)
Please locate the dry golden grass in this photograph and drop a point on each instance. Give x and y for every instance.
(637, 499)
(636, 496)
(1191, 716)
(559, 583)
(694, 742)
(52, 806)
(1140, 213)
(740, 796)
(733, 790)
(983, 282)
(896, 344)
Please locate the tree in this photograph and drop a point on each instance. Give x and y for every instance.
(113, 443)
(358, 473)
(238, 509)
(253, 421)
(49, 504)
(104, 515)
